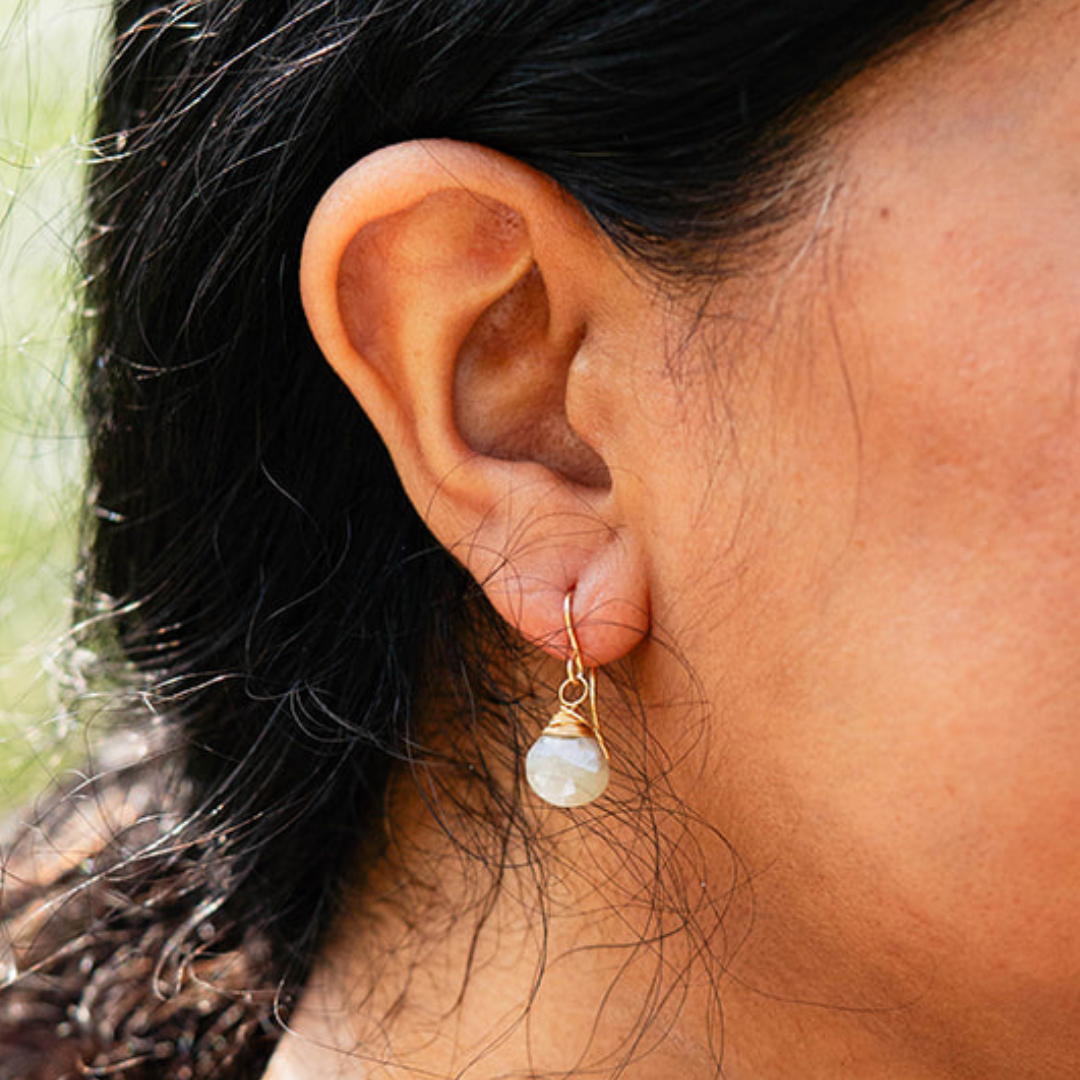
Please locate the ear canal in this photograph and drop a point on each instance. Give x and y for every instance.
(510, 386)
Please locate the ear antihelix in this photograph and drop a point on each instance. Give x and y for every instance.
(510, 386)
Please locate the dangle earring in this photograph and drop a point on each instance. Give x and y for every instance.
(568, 763)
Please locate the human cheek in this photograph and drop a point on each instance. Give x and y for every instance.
(949, 649)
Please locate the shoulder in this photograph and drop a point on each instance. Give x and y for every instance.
(96, 894)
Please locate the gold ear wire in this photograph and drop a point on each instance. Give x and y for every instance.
(568, 764)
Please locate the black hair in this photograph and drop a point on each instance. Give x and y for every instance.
(255, 580)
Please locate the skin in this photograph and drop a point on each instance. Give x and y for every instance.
(849, 496)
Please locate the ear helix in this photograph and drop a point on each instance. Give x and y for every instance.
(568, 765)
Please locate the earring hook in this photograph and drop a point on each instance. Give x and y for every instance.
(578, 675)
(575, 665)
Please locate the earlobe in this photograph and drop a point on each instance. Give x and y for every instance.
(450, 289)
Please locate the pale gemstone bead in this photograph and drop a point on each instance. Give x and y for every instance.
(567, 772)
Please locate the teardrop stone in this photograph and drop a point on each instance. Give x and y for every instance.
(567, 772)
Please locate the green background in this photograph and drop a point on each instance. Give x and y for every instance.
(49, 50)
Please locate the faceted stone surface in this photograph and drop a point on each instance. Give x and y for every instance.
(567, 772)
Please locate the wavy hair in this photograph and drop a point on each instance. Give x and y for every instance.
(265, 605)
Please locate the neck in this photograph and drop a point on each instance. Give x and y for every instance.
(469, 953)
(602, 947)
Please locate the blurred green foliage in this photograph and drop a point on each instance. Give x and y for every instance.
(48, 53)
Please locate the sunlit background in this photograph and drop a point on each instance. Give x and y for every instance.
(48, 53)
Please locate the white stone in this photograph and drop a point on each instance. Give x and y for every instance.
(567, 772)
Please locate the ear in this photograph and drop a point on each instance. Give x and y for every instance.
(459, 295)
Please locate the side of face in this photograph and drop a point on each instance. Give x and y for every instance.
(867, 547)
(842, 490)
